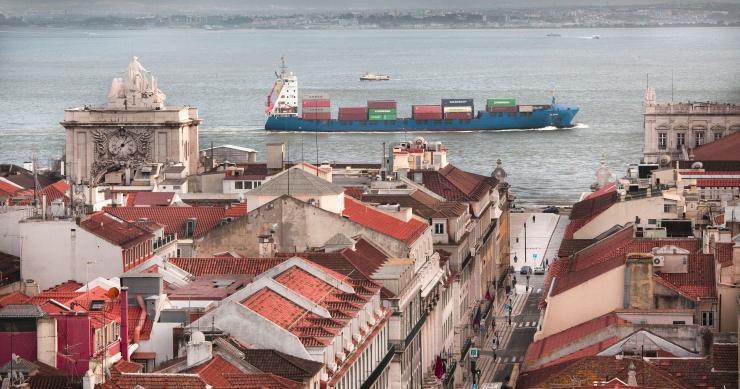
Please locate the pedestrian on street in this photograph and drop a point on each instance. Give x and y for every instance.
(534, 218)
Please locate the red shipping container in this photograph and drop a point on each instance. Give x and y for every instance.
(514, 108)
(317, 116)
(428, 116)
(381, 104)
(426, 109)
(458, 115)
(317, 103)
(353, 110)
(352, 116)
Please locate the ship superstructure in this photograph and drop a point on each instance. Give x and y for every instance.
(382, 115)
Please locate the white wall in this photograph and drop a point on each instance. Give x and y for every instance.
(10, 238)
(57, 251)
(160, 341)
(624, 212)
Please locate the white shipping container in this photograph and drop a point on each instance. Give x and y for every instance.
(315, 96)
(526, 108)
(458, 109)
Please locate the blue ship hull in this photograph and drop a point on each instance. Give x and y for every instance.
(557, 115)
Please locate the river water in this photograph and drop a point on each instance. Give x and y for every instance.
(227, 75)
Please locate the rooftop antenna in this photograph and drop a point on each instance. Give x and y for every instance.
(671, 85)
(283, 68)
(647, 80)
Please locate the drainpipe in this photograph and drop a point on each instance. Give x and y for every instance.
(124, 323)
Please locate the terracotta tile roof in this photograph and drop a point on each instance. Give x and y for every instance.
(725, 149)
(382, 222)
(154, 381)
(27, 181)
(281, 364)
(569, 247)
(585, 371)
(718, 183)
(226, 265)
(354, 191)
(275, 308)
(587, 351)
(69, 286)
(555, 342)
(124, 366)
(724, 356)
(261, 381)
(590, 207)
(13, 298)
(454, 184)
(696, 373)
(307, 285)
(149, 199)
(611, 252)
(236, 210)
(120, 233)
(213, 372)
(173, 218)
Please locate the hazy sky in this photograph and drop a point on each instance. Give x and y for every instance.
(16, 7)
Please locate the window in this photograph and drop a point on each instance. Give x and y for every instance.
(707, 318)
(680, 140)
(662, 140)
(239, 184)
(176, 187)
(666, 208)
(699, 138)
(439, 228)
(679, 322)
(717, 135)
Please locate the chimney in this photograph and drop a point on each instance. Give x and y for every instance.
(638, 281)
(123, 298)
(632, 375)
(266, 246)
(198, 350)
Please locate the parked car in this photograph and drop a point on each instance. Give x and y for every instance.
(517, 210)
(551, 209)
(539, 270)
(525, 270)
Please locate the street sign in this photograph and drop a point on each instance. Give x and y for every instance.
(473, 352)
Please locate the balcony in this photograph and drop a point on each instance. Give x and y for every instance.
(164, 241)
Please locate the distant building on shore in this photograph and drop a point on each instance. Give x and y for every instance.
(133, 129)
(672, 130)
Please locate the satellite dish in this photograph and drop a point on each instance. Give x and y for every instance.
(112, 293)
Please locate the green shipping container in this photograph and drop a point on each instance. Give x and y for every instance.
(381, 117)
(501, 102)
(379, 111)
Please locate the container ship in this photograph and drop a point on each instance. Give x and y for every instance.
(381, 115)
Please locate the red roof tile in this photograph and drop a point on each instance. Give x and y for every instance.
(115, 231)
(555, 342)
(724, 356)
(226, 265)
(725, 149)
(260, 381)
(382, 222)
(275, 308)
(213, 371)
(69, 286)
(306, 285)
(154, 381)
(454, 184)
(611, 252)
(173, 218)
(718, 183)
(13, 298)
(149, 199)
(236, 210)
(124, 366)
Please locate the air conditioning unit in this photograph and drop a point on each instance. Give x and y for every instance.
(658, 261)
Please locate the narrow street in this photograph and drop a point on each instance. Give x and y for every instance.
(512, 340)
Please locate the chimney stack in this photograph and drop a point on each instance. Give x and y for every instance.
(124, 322)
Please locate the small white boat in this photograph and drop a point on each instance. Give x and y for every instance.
(374, 77)
(595, 37)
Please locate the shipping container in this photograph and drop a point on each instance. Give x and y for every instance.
(352, 113)
(526, 108)
(428, 116)
(317, 103)
(426, 109)
(378, 111)
(458, 115)
(458, 109)
(381, 117)
(316, 109)
(501, 102)
(502, 109)
(316, 96)
(457, 102)
(538, 107)
(317, 116)
(381, 104)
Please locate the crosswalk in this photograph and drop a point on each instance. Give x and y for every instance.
(524, 324)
